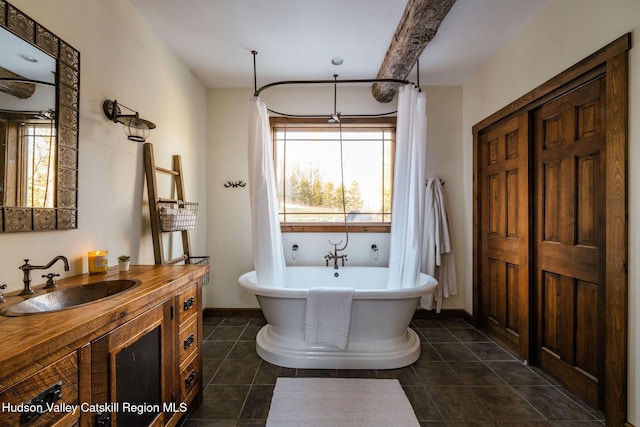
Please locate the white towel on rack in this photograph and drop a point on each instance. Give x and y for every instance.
(328, 316)
(437, 251)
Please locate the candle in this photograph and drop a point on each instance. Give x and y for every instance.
(98, 262)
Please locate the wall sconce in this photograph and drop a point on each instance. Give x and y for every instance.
(135, 128)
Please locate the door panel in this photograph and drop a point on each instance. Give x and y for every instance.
(505, 233)
(569, 246)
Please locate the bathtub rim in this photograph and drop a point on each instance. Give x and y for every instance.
(427, 287)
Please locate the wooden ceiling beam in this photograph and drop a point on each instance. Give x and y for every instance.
(418, 26)
(22, 90)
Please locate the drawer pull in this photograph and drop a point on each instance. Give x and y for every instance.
(188, 303)
(39, 403)
(188, 382)
(188, 342)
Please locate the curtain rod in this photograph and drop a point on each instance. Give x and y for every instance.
(299, 82)
(344, 116)
(257, 90)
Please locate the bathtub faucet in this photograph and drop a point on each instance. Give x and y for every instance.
(335, 257)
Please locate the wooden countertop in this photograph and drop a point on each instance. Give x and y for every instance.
(27, 343)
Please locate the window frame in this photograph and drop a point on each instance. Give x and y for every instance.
(320, 227)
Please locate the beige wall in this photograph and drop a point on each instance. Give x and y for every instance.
(229, 233)
(121, 58)
(563, 33)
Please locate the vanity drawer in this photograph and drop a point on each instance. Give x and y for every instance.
(188, 339)
(190, 377)
(26, 403)
(187, 304)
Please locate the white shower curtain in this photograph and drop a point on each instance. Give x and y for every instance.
(268, 252)
(407, 210)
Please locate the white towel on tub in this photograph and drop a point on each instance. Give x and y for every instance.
(328, 316)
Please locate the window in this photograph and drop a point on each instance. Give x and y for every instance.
(309, 179)
(39, 158)
(29, 164)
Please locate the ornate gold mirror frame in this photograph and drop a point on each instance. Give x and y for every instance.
(64, 215)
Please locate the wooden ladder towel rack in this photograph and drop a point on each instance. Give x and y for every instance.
(151, 169)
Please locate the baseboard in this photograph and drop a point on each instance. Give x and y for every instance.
(444, 314)
(256, 312)
(232, 312)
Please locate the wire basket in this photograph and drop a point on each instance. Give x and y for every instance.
(182, 218)
(200, 260)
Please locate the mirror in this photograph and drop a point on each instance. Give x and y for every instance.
(27, 124)
(39, 109)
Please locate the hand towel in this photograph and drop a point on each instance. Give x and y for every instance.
(328, 316)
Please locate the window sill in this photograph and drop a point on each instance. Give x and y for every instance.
(356, 227)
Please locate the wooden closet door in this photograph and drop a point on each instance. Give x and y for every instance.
(504, 233)
(570, 233)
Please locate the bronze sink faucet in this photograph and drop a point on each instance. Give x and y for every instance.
(26, 270)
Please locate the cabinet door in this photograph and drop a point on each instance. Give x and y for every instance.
(130, 372)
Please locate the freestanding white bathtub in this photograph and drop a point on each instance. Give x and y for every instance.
(379, 336)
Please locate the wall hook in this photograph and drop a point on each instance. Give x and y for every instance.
(429, 179)
(235, 184)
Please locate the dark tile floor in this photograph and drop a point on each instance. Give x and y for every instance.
(462, 379)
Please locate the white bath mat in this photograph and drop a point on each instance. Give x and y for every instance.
(340, 402)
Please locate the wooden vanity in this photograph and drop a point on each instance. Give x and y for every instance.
(134, 358)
